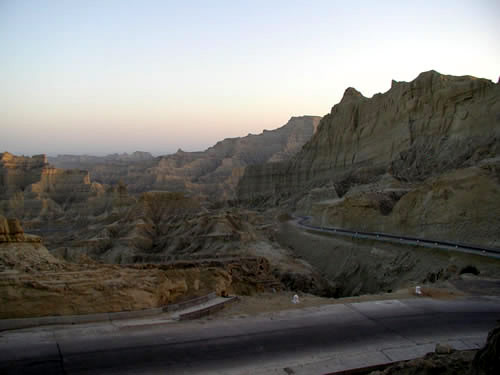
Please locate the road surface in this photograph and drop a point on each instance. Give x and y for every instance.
(307, 341)
(303, 221)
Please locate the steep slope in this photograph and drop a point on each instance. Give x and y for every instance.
(111, 169)
(215, 172)
(416, 129)
(41, 195)
(420, 159)
(33, 282)
(212, 173)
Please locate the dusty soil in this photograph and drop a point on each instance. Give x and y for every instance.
(280, 301)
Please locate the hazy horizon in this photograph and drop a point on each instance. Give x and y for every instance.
(92, 77)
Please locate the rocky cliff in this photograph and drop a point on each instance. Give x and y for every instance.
(35, 175)
(413, 131)
(36, 192)
(421, 159)
(11, 231)
(212, 173)
(33, 282)
(112, 169)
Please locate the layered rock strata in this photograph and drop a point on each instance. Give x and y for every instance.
(12, 231)
(212, 173)
(413, 131)
(33, 282)
(421, 159)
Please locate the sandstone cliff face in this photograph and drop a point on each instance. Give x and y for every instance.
(213, 173)
(18, 172)
(421, 160)
(33, 282)
(41, 195)
(415, 130)
(159, 227)
(216, 171)
(112, 169)
(11, 231)
(35, 175)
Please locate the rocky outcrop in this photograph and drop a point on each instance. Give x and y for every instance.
(448, 361)
(33, 177)
(365, 266)
(18, 172)
(415, 130)
(68, 161)
(42, 195)
(12, 231)
(456, 205)
(113, 169)
(421, 159)
(160, 227)
(487, 359)
(213, 173)
(33, 282)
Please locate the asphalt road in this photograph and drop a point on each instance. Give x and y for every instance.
(366, 332)
(303, 221)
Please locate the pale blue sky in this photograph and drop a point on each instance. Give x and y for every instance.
(114, 76)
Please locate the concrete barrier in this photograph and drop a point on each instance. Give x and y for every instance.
(8, 324)
(192, 302)
(207, 310)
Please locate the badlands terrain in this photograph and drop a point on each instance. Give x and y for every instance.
(82, 234)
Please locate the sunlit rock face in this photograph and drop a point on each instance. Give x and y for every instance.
(413, 131)
(33, 190)
(11, 231)
(35, 175)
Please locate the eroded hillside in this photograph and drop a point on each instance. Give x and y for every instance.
(421, 159)
(210, 173)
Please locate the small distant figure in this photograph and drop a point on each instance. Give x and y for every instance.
(295, 299)
(418, 291)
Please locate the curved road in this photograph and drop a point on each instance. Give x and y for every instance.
(309, 341)
(303, 221)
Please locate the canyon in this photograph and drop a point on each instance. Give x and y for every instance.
(420, 160)
(213, 172)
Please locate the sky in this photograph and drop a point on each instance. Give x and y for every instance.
(111, 76)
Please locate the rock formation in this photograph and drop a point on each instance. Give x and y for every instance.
(422, 159)
(12, 231)
(112, 169)
(416, 129)
(212, 173)
(448, 361)
(33, 282)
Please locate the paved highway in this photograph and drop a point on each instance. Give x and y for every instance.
(303, 221)
(308, 341)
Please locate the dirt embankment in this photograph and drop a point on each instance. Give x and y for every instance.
(33, 282)
(358, 266)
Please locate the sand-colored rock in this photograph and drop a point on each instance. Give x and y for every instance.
(456, 206)
(216, 171)
(413, 131)
(213, 173)
(11, 231)
(30, 187)
(33, 282)
(419, 160)
(362, 266)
